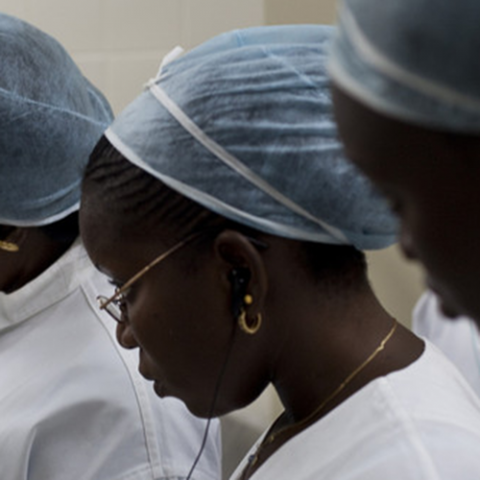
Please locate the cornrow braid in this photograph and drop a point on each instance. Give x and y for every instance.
(132, 192)
(147, 202)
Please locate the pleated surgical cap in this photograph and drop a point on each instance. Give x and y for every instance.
(413, 60)
(243, 125)
(50, 119)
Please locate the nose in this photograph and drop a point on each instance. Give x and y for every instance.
(407, 244)
(125, 336)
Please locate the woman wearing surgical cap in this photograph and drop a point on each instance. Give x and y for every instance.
(221, 207)
(407, 99)
(72, 404)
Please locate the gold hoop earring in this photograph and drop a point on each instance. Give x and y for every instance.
(9, 246)
(245, 327)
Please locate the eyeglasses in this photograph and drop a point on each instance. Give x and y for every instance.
(115, 305)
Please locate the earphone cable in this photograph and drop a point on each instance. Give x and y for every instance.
(212, 408)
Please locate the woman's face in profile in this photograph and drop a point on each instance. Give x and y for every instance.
(178, 315)
(432, 186)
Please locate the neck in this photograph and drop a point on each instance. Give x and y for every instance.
(329, 345)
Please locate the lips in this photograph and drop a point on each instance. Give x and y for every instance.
(158, 386)
(144, 372)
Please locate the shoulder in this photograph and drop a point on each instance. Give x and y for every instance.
(419, 423)
(427, 419)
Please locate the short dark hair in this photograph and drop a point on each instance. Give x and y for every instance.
(5, 231)
(145, 200)
(65, 230)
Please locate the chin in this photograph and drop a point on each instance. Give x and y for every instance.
(160, 389)
(203, 409)
(195, 406)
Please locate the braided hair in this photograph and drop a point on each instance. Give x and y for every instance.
(133, 194)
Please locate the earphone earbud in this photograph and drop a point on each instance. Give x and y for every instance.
(239, 278)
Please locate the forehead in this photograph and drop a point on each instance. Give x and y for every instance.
(389, 150)
(117, 244)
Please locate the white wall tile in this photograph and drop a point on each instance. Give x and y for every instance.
(299, 11)
(126, 76)
(146, 24)
(205, 18)
(13, 7)
(78, 25)
(94, 67)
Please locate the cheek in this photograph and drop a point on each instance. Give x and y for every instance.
(183, 329)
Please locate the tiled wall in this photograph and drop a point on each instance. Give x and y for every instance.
(299, 11)
(119, 43)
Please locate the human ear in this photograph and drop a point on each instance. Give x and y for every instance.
(244, 272)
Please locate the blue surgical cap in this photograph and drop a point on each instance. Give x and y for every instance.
(50, 119)
(414, 60)
(243, 126)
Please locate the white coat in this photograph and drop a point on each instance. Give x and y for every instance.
(458, 339)
(418, 423)
(72, 404)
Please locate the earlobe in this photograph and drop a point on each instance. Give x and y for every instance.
(245, 270)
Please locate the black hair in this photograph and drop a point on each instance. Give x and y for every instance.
(65, 230)
(146, 201)
(5, 231)
(339, 267)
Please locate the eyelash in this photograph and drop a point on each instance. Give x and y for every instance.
(121, 300)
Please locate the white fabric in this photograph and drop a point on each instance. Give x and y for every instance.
(420, 423)
(72, 404)
(459, 339)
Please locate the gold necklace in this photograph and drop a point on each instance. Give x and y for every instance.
(272, 437)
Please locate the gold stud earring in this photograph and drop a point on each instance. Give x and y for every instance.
(247, 299)
(9, 246)
(245, 327)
